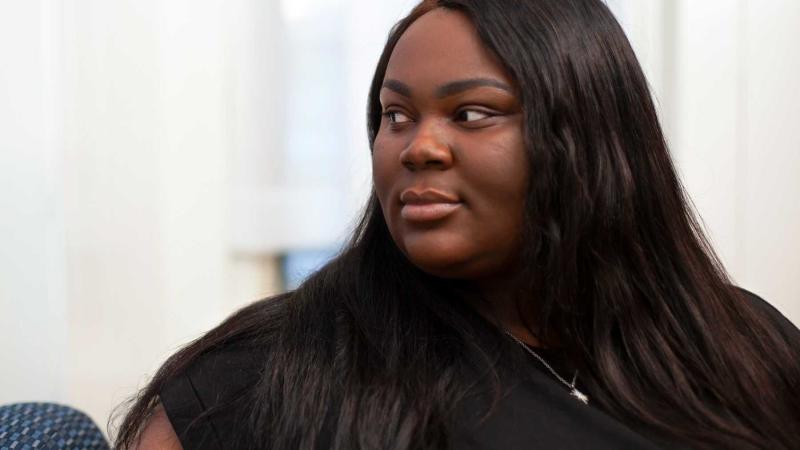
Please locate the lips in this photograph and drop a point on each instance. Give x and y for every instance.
(427, 205)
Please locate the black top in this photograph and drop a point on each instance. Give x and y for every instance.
(538, 412)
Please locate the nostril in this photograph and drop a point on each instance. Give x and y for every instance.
(434, 163)
(426, 154)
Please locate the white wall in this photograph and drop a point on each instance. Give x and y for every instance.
(734, 132)
(32, 256)
(724, 74)
(145, 187)
(116, 143)
(129, 132)
(768, 216)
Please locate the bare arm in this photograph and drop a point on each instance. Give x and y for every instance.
(158, 433)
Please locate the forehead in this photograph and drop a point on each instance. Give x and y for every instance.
(442, 46)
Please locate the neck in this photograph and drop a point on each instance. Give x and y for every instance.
(498, 304)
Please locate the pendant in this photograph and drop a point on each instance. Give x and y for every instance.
(580, 396)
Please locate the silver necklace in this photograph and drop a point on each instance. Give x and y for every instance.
(573, 390)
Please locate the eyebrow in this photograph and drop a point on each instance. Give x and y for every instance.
(448, 89)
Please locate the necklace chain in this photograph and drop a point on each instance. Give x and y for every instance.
(573, 390)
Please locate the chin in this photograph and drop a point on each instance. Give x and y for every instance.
(448, 255)
(457, 262)
(455, 267)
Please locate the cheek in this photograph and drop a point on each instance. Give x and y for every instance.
(497, 181)
(498, 170)
(385, 170)
(381, 169)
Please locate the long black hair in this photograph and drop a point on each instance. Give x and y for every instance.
(616, 270)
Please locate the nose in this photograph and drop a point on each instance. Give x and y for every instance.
(427, 150)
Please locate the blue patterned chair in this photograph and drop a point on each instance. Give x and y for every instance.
(47, 426)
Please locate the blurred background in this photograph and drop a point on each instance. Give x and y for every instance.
(165, 162)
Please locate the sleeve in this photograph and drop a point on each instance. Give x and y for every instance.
(790, 332)
(204, 403)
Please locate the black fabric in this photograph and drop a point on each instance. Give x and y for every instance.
(207, 404)
(536, 412)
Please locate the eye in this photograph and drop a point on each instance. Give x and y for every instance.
(471, 115)
(396, 117)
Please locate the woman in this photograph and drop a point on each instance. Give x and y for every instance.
(527, 273)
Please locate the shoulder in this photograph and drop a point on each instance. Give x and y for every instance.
(158, 433)
(771, 315)
(206, 403)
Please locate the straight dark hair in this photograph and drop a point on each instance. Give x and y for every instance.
(616, 271)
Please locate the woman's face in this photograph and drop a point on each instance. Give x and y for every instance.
(448, 161)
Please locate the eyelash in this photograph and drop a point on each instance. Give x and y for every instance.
(488, 115)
